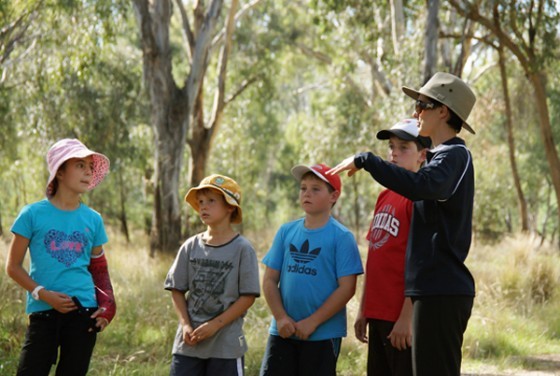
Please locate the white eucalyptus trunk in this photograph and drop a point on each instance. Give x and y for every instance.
(171, 108)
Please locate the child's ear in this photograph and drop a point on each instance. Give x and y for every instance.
(232, 211)
(422, 157)
(335, 195)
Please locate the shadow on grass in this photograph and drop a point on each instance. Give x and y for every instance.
(540, 363)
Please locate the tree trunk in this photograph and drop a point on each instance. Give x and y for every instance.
(526, 54)
(171, 110)
(431, 39)
(202, 136)
(169, 114)
(538, 81)
(170, 145)
(466, 44)
(397, 25)
(522, 202)
(122, 214)
(199, 144)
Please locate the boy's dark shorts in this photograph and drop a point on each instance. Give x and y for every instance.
(286, 356)
(182, 365)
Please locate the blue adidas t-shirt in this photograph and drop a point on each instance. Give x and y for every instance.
(310, 262)
(60, 244)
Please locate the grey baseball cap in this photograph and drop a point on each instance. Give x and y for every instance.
(449, 90)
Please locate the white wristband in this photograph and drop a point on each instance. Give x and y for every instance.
(35, 292)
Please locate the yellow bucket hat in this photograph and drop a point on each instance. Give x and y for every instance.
(223, 184)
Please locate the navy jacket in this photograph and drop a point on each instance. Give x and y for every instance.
(441, 228)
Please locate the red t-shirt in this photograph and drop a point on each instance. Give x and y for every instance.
(387, 236)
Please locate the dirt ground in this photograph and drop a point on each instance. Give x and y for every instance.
(543, 365)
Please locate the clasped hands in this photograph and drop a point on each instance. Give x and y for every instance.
(302, 329)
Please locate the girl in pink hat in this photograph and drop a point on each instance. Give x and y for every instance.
(70, 296)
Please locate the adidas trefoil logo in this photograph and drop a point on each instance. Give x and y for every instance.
(302, 257)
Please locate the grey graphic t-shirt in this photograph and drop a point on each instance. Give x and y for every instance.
(213, 278)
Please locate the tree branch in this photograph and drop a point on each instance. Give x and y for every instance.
(504, 38)
(200, 57)
(324, 58)
(219, 104)
(381, 78)
(512, 20)
(244, 9)
(483, 39)
(540, 15)
(241, 88)
(19, 27)
(187, 31)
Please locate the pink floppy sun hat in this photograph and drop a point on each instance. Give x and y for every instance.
(66, 149)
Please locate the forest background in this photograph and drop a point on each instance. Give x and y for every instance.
(172, 91)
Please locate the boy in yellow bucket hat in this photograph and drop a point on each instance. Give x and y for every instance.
(436, 278)
(213, 282)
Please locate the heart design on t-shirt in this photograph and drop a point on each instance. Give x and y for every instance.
(65, 248)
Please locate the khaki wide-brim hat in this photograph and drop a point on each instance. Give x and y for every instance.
(449, 90)
(223, 185)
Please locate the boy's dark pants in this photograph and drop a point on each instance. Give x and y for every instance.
(438, 325)
(182, 365)
(49, 330)
(383, 358)
(286, 356)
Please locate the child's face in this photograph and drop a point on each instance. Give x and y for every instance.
(315, 196)
(75, 175)
(405, 154)
(213, 208)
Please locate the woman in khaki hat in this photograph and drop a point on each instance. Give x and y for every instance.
(437, 280)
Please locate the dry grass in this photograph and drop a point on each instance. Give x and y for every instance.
(515, 314)
(516, 295)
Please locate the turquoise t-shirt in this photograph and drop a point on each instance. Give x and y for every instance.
(60, 244)
(310, 262)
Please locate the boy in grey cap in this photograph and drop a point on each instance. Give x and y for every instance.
(436, 278)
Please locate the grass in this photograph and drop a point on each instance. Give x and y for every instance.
(515, 314)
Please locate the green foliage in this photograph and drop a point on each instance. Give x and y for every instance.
(313, 95)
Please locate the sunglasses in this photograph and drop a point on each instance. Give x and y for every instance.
(421, 106)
